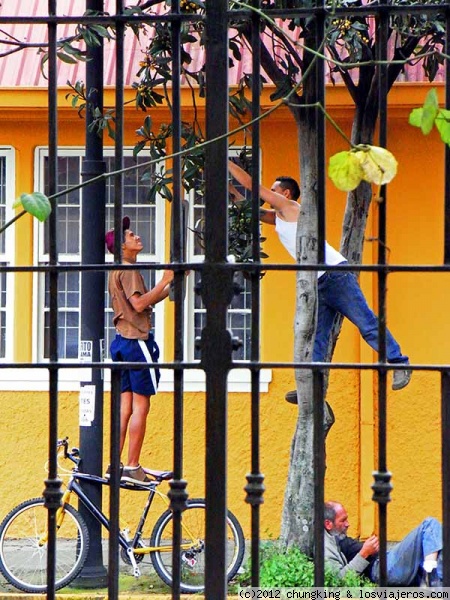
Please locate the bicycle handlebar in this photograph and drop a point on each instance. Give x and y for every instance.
(73, 455)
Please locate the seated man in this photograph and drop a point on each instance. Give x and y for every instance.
(418, 552)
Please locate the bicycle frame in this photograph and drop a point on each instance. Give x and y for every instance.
(129, 546)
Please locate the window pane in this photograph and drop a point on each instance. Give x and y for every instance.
(239, 313)
(2, 199)
(136, 204)
(199, 324)
(68, 314)
(68, 210)
(6, 248)
(2, 314)
(68, 324)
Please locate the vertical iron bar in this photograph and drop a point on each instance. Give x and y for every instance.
(177, 493)
(52, 492)
(445, 376)
(382, 485)
(445, 417)
(318, 376)
(114, 500)
(319, 478)
(216, 292)
(114, 494)
(447, 148)
(255, 487)
(92, 314)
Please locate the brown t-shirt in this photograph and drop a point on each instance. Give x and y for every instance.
(127, 321)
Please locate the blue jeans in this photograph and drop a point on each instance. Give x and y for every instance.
(405, 558)
(339, 292)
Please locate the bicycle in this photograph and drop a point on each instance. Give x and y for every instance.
(24, 535)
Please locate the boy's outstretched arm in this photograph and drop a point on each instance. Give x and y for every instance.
(277, 201)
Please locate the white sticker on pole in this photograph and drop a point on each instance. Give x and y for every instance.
(102, 355)
(85, 356)
(85, 351)
(87, 405)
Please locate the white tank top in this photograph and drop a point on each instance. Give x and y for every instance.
(287, 232)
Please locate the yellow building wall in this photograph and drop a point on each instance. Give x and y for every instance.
(416, 305)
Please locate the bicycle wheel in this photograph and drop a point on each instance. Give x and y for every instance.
(23, 547)
(193, 546)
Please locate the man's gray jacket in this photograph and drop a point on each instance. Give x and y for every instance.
(336, 559)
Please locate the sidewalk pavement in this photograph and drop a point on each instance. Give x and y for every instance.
(96, 596)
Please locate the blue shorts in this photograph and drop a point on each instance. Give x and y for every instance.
(140, 381)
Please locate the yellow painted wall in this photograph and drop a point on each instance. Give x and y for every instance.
(416, 305)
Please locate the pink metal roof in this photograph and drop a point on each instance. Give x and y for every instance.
(22, 69)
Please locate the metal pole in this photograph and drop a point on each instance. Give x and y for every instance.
(255, 479)
(114, 494)
(92, 325)
(445, 375)
(382, 485)
(217, 293)
(177, 493)
(318, 376)
(52, 492)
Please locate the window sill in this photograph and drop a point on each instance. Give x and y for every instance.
(36, 380)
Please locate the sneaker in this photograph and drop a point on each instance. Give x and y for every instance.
(328, 414)
(291, 397)
(108, 471)
(401, 378)
(135, 475)
(433, 579)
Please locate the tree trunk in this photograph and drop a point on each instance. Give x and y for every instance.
(298, 509)
(358, 204)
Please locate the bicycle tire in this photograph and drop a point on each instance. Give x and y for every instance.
(23, 558)
(193, 558)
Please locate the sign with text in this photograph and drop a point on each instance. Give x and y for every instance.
(87, 405)
(85, 351)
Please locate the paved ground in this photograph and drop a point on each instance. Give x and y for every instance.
(147, 580)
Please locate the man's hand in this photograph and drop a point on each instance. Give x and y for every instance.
(371, 546)
(167, 276)
(235, 196)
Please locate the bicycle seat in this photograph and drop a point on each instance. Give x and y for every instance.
(161, 475)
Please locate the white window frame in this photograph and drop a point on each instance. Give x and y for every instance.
(8, 257)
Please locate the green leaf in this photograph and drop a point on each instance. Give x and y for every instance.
(345, 171)
(102, 31)
(415, 117)
(430, 111)
(66, 58)
(138, 147)
(36, 204)
(443, 125)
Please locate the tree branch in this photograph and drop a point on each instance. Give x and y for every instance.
(149, 4)
(289, 48)
(402, 53)
(346, 76)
